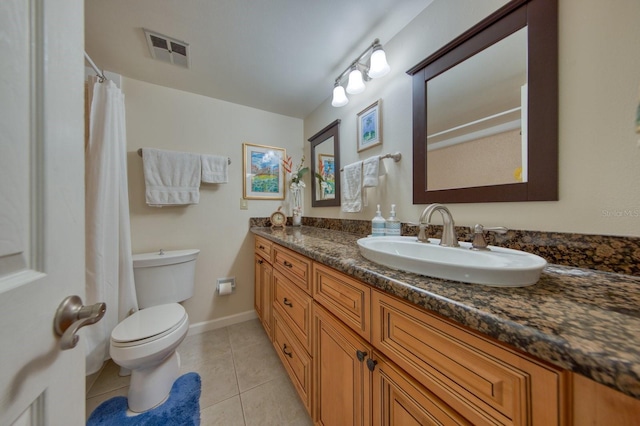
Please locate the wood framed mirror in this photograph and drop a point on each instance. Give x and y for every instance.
(513, 133)
(325, 166)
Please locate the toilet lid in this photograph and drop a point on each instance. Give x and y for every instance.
(148, 322)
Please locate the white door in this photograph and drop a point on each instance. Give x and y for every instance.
(41, 208)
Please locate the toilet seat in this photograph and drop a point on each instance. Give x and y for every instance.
(148, 325)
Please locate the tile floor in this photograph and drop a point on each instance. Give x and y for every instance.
(243, 380)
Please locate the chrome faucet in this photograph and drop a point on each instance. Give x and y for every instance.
(449, 238)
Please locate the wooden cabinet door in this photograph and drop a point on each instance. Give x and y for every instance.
(257, 288)
(342, 381)
(399, 400)
(267, 304)
(595, 404)
(262, 293)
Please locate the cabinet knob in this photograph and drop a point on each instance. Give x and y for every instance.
(284, 350)
(371, 364)
(260, 261)
(360, 355)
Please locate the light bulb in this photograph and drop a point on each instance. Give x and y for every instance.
(355, 85)
(379, 66)
(339, 97)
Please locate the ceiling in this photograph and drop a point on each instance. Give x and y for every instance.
(280, 56)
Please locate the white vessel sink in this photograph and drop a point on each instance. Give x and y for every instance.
(499, 267)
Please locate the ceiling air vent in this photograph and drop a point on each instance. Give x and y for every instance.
(167, 49)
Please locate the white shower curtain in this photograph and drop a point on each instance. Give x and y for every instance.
(109, 268)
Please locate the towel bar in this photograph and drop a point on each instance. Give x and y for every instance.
(228, 159)
(396, 157)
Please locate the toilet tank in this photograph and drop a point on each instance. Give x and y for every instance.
(164, 276)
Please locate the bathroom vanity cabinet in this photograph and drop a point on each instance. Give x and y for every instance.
(360, 356)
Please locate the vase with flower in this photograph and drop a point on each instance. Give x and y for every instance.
(296, 186)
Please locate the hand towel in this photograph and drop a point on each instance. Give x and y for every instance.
(372, 168)
(214, 169)
(351, 188)
(171, 178)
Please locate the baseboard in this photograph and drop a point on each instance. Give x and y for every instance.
(204, 326)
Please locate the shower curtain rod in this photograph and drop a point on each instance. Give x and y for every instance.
(95, 67)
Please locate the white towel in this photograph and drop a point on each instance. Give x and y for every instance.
(171, 178)
(214, 169)
(372, 168)
(351, 188)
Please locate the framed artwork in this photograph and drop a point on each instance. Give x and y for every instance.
(370, 126)
(262, 171)
(327, 172)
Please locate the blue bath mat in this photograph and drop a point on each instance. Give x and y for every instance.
(182, 408)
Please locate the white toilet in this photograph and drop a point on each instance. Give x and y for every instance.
(146, 341)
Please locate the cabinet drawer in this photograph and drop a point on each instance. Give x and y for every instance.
(346, 298)
(294, 358)
(486, 383)
(263, 248)
(400, 400)
(294, 307)
(295, 267)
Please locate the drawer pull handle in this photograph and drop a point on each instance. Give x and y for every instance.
(284, 350)
(260, 261)
(261, 247)
(360, 355)
(287, 302)
(287, 264)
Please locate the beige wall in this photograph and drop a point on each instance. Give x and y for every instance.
(170, 119)
(599, 76)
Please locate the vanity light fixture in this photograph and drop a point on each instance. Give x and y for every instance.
(360, 72)
(379, 66)
(339, 97)
(356, 84)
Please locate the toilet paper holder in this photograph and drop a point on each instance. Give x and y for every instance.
(225, 286)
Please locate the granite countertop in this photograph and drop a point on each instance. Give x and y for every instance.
(581, 320)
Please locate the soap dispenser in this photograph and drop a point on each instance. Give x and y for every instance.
(378, 224)
(392, 225)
